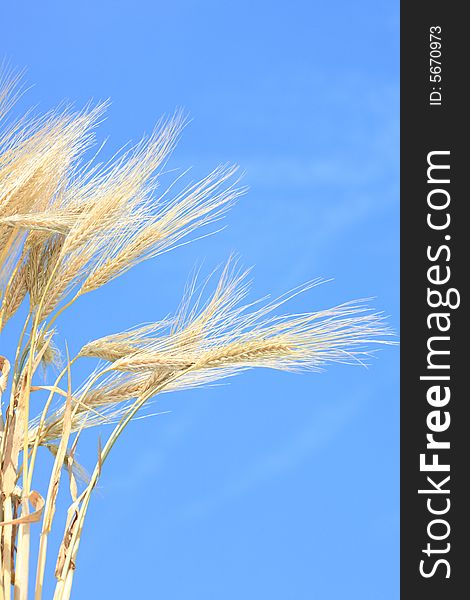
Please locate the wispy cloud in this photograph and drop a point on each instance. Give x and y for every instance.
(318, 433)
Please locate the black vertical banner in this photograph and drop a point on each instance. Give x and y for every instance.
(435, 259)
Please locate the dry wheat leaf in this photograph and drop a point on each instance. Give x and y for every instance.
(37, 502)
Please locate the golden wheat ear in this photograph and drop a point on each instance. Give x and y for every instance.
(208, 341)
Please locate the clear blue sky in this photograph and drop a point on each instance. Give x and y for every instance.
(275, 486)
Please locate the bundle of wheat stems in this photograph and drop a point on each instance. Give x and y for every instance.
(67, 227)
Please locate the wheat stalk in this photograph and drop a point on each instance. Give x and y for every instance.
(69, 227)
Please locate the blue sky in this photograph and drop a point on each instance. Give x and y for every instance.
(275, 485)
